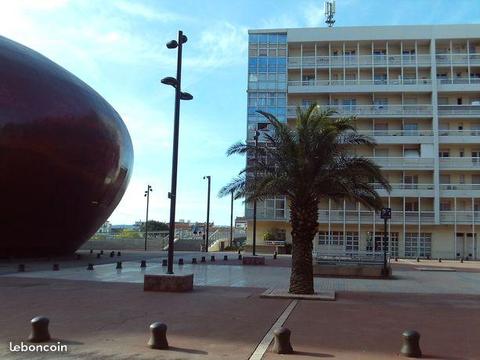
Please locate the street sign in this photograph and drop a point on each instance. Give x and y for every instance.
(386, 213)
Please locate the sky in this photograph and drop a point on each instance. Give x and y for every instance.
(118, 48)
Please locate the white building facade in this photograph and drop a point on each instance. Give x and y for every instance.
(416, 91)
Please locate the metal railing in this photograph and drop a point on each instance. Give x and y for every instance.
(459, 216)
(460, 162)
(373, 110)
(395, 132)
(465, 187)
(353, 82)
(459, 109)
(353, 257)
(403, 186)
(368, 217)
(449, 81)
(357, 61)
(471, 132)
(401, 162)
(460, 59)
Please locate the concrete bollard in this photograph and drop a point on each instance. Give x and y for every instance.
(90, 267)
(212, 258)
(275, 255)
(112, 253)
(180, 261)
(119, 253)
(225, 257)
(239, 256)
(203, 259)
(143, 263)
(411, 344)
(56, 267)
(164, 262)
(439, 259)
(119, 265)
(282, 341)
(194, 260)
(21, 268)
(158, 337)
(39, 330)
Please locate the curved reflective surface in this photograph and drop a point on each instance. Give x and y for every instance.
(65, 156)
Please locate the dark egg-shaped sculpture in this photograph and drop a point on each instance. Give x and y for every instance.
(65, 156)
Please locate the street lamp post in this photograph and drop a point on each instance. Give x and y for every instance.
(254, 235)
(385, 214)
(208, 177)
(147, 195)
(231, 219)
(179, 95)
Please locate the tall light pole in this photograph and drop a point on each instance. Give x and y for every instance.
(385, 214)
(208, 177)
(231, 219)
(179, 95)
(254, 242)
(147, 195)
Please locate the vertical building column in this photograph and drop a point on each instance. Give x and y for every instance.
(455, 227)
(329, 224)
(358, 64)
(474, 250)
(344, 66)
(468, 61)
(390, 248)
(358, 225)
(404, 226)
(301, 64)
(416, 62)
(436, 165)
(419, 225)
(451, 65)
(315, 64)
(387, 62)
(344, 227)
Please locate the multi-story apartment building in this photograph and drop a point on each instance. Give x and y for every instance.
(416, 91)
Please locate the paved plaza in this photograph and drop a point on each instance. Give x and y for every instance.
(105, 314)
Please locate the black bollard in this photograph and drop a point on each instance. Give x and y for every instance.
(282, 341)
(239, 252)
(212, 258)
(418, 259)
(439, 259)
(411, 346)
(112, 253)
(119, 265)
(91, 251)
(180, 261)
(164, 262)
(194, 260)
(239, 256)
(90, 267)
(143, 264)
(203, 259)
(56, 267)
(275, 255)
(158, 337)
(98, 256)
(119, 253)
(101, 252)
(21, 267)
(461, 260)
(39, 330)
(225, 257)
(396, 258)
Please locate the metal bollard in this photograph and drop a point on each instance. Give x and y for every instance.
(411, 346)
(98, 256)
(164, 262)
(239, 256)
(119, 265)
(39, 330)
(91, 251)
(56, 267)
(239, 252)
(21, 268)
(225, 257)
(282, 341)
(143, 264)
(396, 258)
(418, 259)
(119, 253)
(461, 260)
(275, 255)
(439, 259)
(203, 259)
(194, 260)
(112, 253)
(212, 258)
(180, 261)
(101, 252)
(90, 267)
(158, 337)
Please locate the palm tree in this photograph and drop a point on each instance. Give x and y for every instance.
(307, 162)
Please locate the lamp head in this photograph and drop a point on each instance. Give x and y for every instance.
(170, 81)
(183, 39)
(185, 96)
(172, 44)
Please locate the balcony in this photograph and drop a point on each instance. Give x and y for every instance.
(373, 110)
(471, 136)
(353, 61)
(369, 217)
(460, 163)
(459, 110)
(399, 136)
(460, 217)
(457, 59)
(458, 84)
(359, 85)
(460, 190)
(403, 163)
(408, 190)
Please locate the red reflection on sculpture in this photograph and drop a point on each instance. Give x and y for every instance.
(65, 156)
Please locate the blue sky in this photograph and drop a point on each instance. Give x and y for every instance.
(117, 47)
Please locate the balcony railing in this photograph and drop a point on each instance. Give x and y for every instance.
(449, 81)
(457, 59)
(403, 186)
(368, 217)
(462, 187)
(373, 110)
(460, 162)
(395, 132)
(359, 82)
(403, 162)
(471, 132)
(357, 61)
(459, 216)
(459, 109)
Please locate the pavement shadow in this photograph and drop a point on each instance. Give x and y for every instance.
(313, 354)
(440, 357)
(188, 351)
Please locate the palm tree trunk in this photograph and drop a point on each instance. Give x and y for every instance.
(303, 218)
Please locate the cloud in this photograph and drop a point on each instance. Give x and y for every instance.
(147, 13)
(314, 14)
(281, 22)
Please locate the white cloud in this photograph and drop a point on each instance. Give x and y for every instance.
(314, 14)
(146, 12)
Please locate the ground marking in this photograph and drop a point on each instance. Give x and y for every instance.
(267, 339)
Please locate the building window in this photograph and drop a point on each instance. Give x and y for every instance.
(418, 245)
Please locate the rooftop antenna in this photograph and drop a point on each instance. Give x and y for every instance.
(329, 12)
